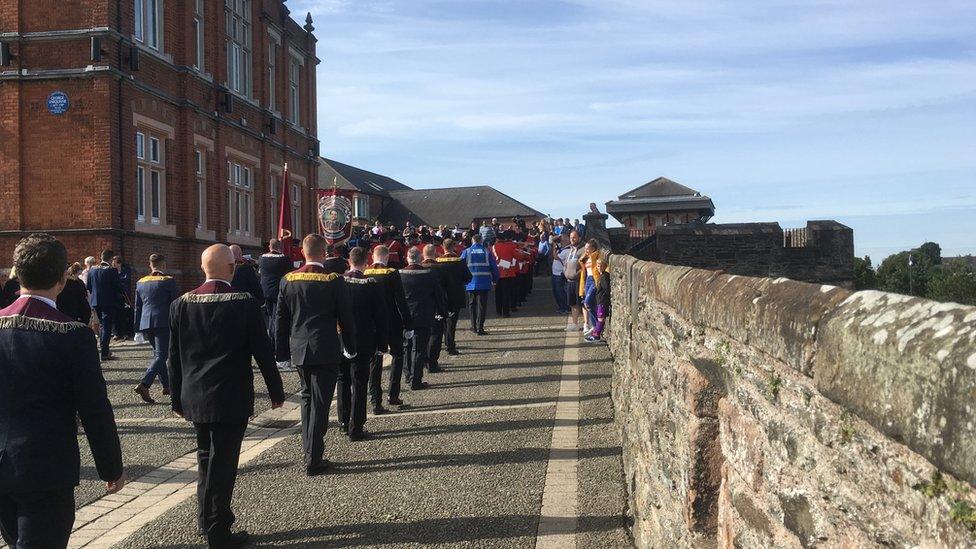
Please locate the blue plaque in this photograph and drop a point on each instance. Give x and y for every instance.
(58, 103)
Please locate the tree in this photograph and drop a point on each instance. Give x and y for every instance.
(864, 275)
(953, 281)
(932, 251)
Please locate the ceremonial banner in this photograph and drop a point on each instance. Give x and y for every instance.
(284, 215)
(335, 215)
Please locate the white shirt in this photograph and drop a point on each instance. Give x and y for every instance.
(39, 298)
(216, 280)
(316, 263)
(559, 262)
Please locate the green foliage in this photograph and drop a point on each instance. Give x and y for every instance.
(846, 427)
(953, 281)
(964, 513)
(864, 276)
(934, 488)
(773, 385)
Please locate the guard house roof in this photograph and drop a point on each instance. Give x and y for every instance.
(454, 205)
(662, 195)
(364, 181)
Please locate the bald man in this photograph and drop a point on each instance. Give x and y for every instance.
(215, 331)
(245, 277)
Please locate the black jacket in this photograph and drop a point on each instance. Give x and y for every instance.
(370, 310)
(273, 266)
(423, 289)
(337, 265)
(214, 332)
(399, 317)
(49, 375)
(246, 280)
(73, 301)
(11, 289)
(458, 277)
(310, 305)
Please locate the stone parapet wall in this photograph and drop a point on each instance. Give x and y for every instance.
(759, 412)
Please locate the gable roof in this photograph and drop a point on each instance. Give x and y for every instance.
(453, 205)
(660, 188)
(364, 181)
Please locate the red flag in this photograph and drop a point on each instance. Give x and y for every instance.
(284, 214)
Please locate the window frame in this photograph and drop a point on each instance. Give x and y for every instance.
(240, 198)
(274, 53)
(295, 64)
(150, 179)
(199, 36)
(239, 39)
(148, 23)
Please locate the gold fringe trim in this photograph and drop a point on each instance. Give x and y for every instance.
(415, 271)
(155, 278)
(311, 277)
(20, 322)
(379, 271)
(448, 259)
(215, 298)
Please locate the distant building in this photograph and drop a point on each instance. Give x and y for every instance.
(659, 203)
(378, 197)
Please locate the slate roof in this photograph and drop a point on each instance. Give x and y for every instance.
(364, 181)
(661, 195)
(453, 205)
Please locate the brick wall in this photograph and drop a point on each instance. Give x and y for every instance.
(770, 413)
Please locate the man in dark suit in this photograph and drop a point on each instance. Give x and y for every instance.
(398, 320)
(154, 296)
(457, 277)
(105, 291)
(272, 266)
(425, 297)
(215, 331)
(444, 277)
(369, 305)
(335, 260)
(245, 275)
(124, 317)
(49, 376)
(311, 305)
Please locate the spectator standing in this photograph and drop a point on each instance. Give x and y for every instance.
(90, 263)
(602, 302)
(73, 299)
(570, 256)
(559, 276)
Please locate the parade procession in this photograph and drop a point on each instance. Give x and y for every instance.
(328, 309)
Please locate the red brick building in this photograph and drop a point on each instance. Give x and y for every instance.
(154, 125)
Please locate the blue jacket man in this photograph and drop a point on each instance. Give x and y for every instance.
(106, 297)
(484, 273)
(154, 295)
(49, 376)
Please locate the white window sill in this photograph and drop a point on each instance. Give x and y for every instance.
(204, 234)
(243, 240)
(155, 228)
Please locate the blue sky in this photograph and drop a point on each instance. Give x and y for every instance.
(780, 110)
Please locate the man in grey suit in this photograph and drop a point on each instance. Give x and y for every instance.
(154, 295)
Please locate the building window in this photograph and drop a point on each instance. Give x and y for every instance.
(362, 207)
(148, 20)
(201, 188)
(274, 46)
(151, 171)
(238, 45)
(239, 202)
(274, 210)
(296, 210)
(198, 26)
(295, 96)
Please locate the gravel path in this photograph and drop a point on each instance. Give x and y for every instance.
(463, 465)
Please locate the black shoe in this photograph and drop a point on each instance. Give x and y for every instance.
(453, 352)
(423, 385)
(482, 332)
(357, 435)
(315, 470)
(344, 427)
(395, 402)
(433, 368)
(228, 540)
(378, 410)
(143, 392)
(108, 358)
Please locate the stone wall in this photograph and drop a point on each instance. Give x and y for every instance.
(760, 412)
(822, 252)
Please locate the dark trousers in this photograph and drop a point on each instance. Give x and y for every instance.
(396, 370)
(318, 386)
(478, 301)
(106, 320)
(124, 322)
(159, 339)
(37, 519)
(353, 380)
(270, 305)
(415, 353)
(434, 344)
(559, 292)
(218, 453)
(503, 296)
(450, 331)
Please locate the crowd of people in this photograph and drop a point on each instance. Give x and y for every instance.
(330, 312)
